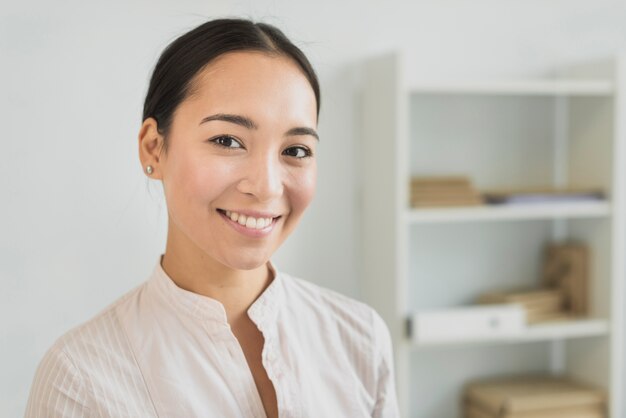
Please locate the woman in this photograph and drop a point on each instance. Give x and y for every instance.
(229, 128)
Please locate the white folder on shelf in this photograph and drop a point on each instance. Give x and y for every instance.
(468, 323)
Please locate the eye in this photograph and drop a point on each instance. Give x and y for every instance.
(226, 142)
(298, 152)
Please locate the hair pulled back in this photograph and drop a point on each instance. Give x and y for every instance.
(186, 56)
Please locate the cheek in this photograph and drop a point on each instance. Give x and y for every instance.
(302, 188)
(195, 181)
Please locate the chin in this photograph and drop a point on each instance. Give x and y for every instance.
(244, 262)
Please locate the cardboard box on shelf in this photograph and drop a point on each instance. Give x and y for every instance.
(595, 411)
(546, 299)
(448, 181)
(540, 305)
(530, 396)
(566, 267)
(443, 191)
(457, 201)
(564, 292)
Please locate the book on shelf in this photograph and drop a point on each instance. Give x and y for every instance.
(533, 318)
(533, 396)
(540, 298)
(447, 181)
(594, 411)
(451, 202)
(540, 305)
(563, 294)
(566, 267)
(443, 191)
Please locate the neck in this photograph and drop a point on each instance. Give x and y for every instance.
(196, 272)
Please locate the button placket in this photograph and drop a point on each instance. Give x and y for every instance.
(247, 390)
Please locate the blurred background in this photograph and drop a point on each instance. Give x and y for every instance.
(80, 224)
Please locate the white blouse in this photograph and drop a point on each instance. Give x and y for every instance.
(162, 351)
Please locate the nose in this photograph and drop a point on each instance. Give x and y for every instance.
(263, 178)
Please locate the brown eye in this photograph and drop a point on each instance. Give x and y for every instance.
(297, 152)
(227, 142)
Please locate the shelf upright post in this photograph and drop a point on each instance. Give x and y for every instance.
(385, 195)
(618, 196)
(559, 226)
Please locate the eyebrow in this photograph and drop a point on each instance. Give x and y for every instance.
(303, 131)
(249, 124)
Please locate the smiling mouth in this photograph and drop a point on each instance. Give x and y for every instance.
(249, 221)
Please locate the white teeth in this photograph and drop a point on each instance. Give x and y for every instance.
(249, 221)
(263, 222)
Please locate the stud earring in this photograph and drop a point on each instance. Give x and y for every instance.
(149, 169)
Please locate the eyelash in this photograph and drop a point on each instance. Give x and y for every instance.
(216, 141)
(307, 152)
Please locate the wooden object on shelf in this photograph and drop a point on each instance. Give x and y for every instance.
(541, 317)
(540, 305)
(564, 292)
(543, 299)
(566, 267)
(533, 396)
(443, 191)
(437, 181)
(470, 411)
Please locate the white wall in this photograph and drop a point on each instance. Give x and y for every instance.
(79, 225)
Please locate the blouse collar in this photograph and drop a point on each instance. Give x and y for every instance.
(262, 311)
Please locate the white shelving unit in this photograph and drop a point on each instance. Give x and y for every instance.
(560, 131)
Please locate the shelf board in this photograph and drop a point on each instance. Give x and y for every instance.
(509, 212)
(562, 87)
(579, 328)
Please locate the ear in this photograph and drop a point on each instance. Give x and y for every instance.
(150, 145)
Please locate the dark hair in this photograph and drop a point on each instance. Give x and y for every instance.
(186, 56)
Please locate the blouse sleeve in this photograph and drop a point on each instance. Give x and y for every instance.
(386, 405)
(58, 390)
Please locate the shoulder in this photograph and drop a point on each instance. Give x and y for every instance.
(102, 332)
(91, 366)
(90, 348)
(73, 365)
(58, 386)
(355, 320)
(324, 302)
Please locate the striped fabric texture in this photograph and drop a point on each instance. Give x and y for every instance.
(162, 351)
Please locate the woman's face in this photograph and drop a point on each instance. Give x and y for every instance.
(240, 168)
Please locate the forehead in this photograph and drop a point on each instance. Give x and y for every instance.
(253, 81)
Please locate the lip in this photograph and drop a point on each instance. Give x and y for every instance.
(252, 233)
